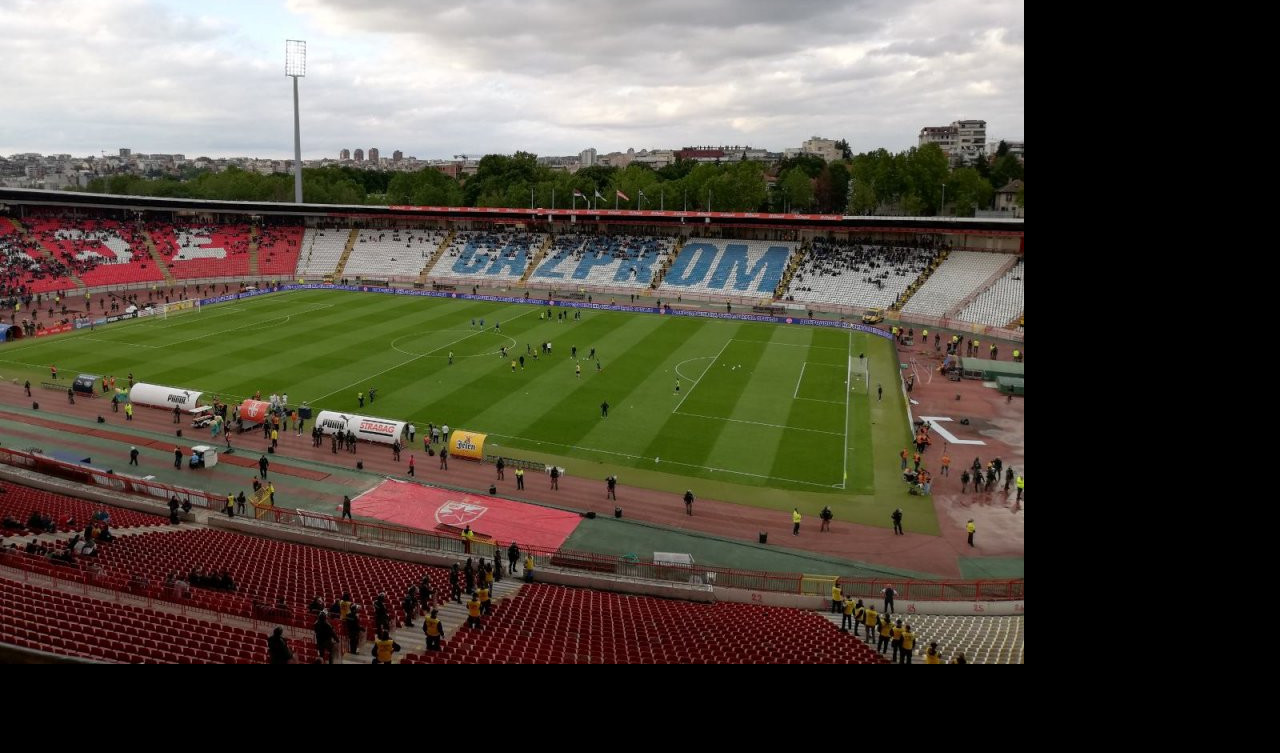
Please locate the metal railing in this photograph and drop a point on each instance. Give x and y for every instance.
(115, 482)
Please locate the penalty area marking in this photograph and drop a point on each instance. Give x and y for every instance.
(688, 360)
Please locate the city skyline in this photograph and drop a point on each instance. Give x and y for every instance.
(449, 79)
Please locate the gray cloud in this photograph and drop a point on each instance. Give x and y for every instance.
(439, 78)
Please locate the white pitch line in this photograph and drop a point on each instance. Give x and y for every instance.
(789, 345)
(120, 342)
(816, 400)
(687, 360)
(796, 395)
(672, 462)
(761, 423)
(411, 360)
(699, 379)
(848, 384)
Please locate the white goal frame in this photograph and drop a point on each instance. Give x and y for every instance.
(186, 304)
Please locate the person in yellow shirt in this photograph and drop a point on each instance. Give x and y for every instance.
(895, 640)
(383, 648)
(859, 616)
(483, 594)
(528, 568)
(931, 655)
(434, 630)
(970, 527)
(837, 599)
(908, 644)
(473, 611)
(883, 644)
(795, 521)
(846, 621)
(869, 619)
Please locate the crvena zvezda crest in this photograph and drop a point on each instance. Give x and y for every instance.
(459, 513)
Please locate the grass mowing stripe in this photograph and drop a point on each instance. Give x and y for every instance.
(669, 462)
(752, 442)
(406, 363)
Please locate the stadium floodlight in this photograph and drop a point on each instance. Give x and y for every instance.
(295, 67)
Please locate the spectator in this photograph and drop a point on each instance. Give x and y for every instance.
(277, 650)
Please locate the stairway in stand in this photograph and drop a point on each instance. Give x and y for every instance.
(452, 617)
(911, 290)
(26, 237)
(346, 254)
(796, 260)
(444, 246)
(537, 259)
(161, 264)
(253, 250)
(661, 274)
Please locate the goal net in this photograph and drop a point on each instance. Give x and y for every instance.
(185, 305)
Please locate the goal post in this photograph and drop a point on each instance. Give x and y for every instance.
(186, 304)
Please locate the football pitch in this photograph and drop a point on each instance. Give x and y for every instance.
(761, 407)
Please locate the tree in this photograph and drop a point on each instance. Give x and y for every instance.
(845, 151)
(834, 196)
(797, 189)
(967, 190)
(926, 170)
(1005, 169)
(676, 170)
(812, 164)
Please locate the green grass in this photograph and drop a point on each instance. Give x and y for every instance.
(763, 415)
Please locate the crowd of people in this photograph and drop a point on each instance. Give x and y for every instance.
(872, 262)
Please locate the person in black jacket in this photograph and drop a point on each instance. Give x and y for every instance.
(277, 650)
(453, 583)
(325, 635)
(513, 556)
(381, 616)
(353, 630)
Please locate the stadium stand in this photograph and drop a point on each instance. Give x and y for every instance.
(486, 255)
(322, 249)
(18, 502)
(999, 304)
(728, 267)
(196, 249)
(265, 571)
(393, 252)
(614, 260)
(858, 273)
(984, 640)
(101, 252)
(278, 249)
(72, 625)
(958, 276)
(552, 624)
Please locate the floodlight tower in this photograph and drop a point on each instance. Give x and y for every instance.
(295, 67)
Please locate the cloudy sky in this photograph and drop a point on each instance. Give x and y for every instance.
(436, 78)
